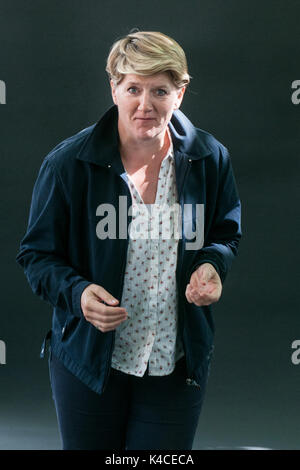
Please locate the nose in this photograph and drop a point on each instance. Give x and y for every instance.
(145, 102)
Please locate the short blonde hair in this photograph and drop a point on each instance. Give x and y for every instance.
(147, 53)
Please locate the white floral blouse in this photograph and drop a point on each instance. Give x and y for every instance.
(149, 334)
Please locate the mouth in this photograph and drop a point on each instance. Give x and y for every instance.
(145, 119)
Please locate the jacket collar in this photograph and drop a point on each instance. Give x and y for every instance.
(102, 144)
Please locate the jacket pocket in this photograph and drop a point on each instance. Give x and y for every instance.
(69, 327)
(44, 343)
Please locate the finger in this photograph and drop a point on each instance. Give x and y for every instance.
(100, 308)
(197, 286)
(188, 297)
(105, 319)
(195, 297)
(188, 293)
(104, 327)
(109, 322)
(105, 295)
(201, 298)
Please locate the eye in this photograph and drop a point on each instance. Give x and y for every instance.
(161, 92)
(132, 90)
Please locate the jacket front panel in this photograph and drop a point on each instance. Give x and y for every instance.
(62, 254)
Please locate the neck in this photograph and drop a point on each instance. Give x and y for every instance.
(145, 153)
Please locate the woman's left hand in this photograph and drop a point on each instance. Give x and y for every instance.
(205, 286)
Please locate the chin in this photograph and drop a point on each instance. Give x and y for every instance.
(148, 133)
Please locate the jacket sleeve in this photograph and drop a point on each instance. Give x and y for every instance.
(222, 241)
(43, 249)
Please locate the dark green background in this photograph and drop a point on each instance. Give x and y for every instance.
(243, 57)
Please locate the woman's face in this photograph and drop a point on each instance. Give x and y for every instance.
(145, 105)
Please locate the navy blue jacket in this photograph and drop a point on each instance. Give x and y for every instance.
(61, 253)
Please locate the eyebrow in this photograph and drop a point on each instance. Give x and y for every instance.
(156, 86)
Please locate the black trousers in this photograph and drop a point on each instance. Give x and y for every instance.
(133, 413)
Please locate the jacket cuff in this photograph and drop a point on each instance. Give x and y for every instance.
(76, 297)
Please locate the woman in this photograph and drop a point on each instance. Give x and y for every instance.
(133, 226)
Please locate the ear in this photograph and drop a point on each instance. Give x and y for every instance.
(179, 98)
(113, 91)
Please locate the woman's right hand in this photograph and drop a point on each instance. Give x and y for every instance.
(103, 317)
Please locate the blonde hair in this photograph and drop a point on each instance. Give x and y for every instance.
(147, 53)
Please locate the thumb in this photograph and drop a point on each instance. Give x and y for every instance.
(104, 295)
